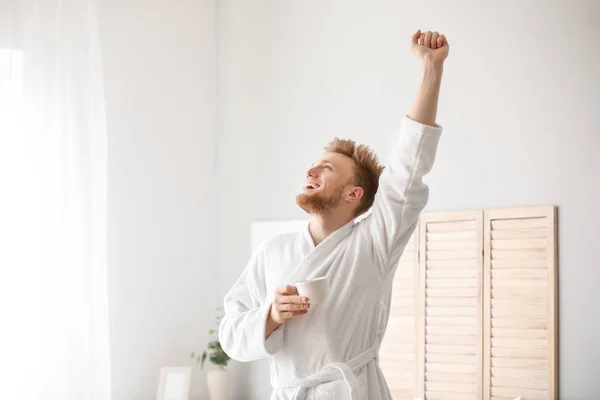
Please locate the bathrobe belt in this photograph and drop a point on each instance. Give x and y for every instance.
(329, 373)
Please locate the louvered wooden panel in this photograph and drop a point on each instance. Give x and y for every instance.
(450, 305)
(520, 304)
(397, 355)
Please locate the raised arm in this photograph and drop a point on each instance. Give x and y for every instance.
(402, 194)
(432, 50)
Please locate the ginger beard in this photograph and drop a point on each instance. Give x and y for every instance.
(319, 202)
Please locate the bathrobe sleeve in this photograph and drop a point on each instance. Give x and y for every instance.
(246, 307)
(402, 194)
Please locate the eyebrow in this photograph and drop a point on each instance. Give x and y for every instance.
(322, 162)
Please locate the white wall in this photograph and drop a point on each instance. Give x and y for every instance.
(519, 106)
(160, 66)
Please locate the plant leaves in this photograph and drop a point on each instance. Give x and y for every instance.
(214, 350)
(192, 355)
(219, 357)
(213, 345)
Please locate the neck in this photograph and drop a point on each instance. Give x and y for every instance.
(321, 226)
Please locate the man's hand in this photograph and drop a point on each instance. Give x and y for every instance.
(430, 46)
(287, 304)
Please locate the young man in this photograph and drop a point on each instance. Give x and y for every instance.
(330, 350)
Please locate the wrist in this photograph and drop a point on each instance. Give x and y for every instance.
(271, 324)
(432, 66)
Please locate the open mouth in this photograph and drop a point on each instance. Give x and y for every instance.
(312, 185)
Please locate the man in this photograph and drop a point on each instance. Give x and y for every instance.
(330, 350)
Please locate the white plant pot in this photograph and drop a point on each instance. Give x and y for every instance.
(217, 382)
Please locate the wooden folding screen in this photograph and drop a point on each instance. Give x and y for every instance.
(520, 304)
(450, 306)
(474, 308)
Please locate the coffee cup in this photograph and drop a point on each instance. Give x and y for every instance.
(314, 289)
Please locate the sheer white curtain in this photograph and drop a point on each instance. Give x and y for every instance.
(54, 331)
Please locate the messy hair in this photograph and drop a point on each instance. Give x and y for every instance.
(366, 172)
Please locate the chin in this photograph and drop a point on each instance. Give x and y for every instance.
(302, 199)
(306, 202)
(314, 204)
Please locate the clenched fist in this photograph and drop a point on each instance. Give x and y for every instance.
(430, 46)
(287, 304)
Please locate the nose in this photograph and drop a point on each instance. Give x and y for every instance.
(312, 173)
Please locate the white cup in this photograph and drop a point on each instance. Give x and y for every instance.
(315, 289)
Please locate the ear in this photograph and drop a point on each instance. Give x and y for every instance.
(355, 194)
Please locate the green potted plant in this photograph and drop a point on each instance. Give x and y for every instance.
(216, 378)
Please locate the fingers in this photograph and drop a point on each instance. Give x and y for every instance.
(288, 304)
(288, 307)
(286, 290)
(286, 315)
(416, 36)
(443, 41)
(292, 307)
(283, 299)
(291, 304)
(434, 40)
(427, 40)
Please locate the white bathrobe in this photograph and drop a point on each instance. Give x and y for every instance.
(332, 351)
